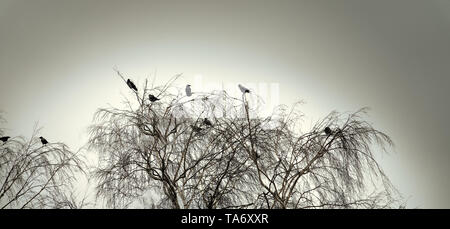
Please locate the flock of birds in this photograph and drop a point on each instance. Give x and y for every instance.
(153, 98)
(4, 139)
(188, 90)
(206, 122)
(189, 93)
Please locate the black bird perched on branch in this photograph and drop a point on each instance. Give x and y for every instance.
(43, 141)
(328, 131)
(152, 98)
(131, 85)
(5, 138)
(207, 122)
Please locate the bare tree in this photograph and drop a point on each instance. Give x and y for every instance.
(33, 175)
(236, 159)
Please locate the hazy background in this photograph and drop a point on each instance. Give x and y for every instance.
(56, 61)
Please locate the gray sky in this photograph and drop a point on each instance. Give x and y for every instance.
(56, 60)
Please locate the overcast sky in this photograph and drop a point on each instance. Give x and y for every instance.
(56, 61)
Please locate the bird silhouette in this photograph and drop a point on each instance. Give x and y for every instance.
(188, 90)
(243, 89)
(207, 122)
(43, 140)
(5, 138)
(152, 98)
(131, 85)
(328, 131)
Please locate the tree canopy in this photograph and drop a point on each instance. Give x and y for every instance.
(244, 160)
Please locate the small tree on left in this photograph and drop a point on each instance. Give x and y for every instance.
(34, 175)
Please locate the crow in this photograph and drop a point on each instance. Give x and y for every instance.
(243, 89)
(43, 140)
(131, 85)
(152, 98)
(207, 122)
(5, 138)
(188, 90)
(328, 131)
